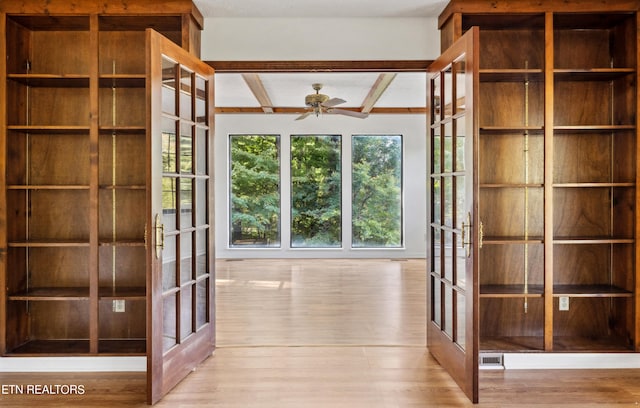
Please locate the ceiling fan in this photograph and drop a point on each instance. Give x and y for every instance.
(319, 103)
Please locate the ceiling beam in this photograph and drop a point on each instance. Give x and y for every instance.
(320, 66)
(257, 88)
(376, 91)
(286, 110)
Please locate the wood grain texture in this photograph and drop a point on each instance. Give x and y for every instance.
(348, 375)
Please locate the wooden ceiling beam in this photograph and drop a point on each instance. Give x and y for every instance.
(259, 92)
(287, 110)
(320, 66)
(376, 91)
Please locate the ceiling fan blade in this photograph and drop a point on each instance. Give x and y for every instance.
(332, 102)
(345, 112)
(304, 115)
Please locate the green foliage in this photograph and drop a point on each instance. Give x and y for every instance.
(316, 189)
(255, 190)
(376, 194)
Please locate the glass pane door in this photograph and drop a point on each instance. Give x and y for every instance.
(182, 306)
(452, 306)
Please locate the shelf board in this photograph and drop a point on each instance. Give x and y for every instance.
(593, 185)
(122, 80)
(590, 291)
(592, 74)
(123, 243)
(510, 291)
(51, 347)
(129, 187)
(73, 293)
(63, 130)
(493, 240)
(511, 129)
(47, 244)
(511, 185)
(592, 240)
(127, 347)
(511, 75)
(48, 187)
(51, 81)
(128, 293)
(560, 129)
(108, 130)
(591, 344)
(511, 343)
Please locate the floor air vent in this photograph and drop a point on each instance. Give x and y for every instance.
(491, 360)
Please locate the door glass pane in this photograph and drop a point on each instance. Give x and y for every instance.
(169, 69)
(461, 259)
(436, 198)
(186, 312)
(169, 267)
(461, 216)
(436, 150)
(459, 68)
(316, 192)
(202, 244)
(186, 261)
(202, 300)
(169, 203)
(447, 95)
(448, 256)
(448, 310)
(185, 94)
(201, 101)
(436, 88)
(436, 252)
(436, 301)
(376, 191)
(186, 202)
(254, 219)
(448, 146)
(169, 330)
(169, 146)
(460, 319)
(459, 144)
(201, 153)
(186, 148)
(201, 208)
(448, 201)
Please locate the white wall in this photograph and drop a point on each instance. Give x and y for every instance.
(254, 39)
(411, 127)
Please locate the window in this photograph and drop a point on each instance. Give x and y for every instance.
(255, 191)
(316, 192)
(376, 191)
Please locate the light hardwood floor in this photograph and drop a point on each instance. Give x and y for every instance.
(329, 333)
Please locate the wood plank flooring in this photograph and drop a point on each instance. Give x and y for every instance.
(328, 333)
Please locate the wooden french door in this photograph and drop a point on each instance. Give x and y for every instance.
(181, 323)
(452, 310)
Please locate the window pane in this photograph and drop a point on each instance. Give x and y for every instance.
(255, 191)
(376, 192)
(316, 189)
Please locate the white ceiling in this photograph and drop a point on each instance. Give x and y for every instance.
(288, 90)
(320, 8)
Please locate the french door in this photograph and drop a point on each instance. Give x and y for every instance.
(453, 294)
(181, 322)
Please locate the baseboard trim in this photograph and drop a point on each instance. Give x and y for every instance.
(558, 361)
(72, 364)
